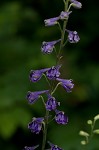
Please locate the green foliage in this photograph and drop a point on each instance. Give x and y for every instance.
(11, 119)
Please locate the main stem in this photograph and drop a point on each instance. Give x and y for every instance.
(45, 130)
(58, 60)
(63, 33)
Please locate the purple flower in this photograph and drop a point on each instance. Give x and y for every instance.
(30, 148)
(60, 118)
(51, 21)
(64, 15)
(51, 103)
(47, 47)
(67, 84)
(35, 75)
(53, 72)
(54, 147)
(33, 96)
(73, 36)
(36, 125)
(76, 4)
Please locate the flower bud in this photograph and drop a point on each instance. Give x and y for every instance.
(51, 21)
(83, 133)
(96, 117)
(83, 142)
(96, 131)
(76, 4)
(89, 122)
(64, 15)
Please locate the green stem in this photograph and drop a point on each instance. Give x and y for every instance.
(91, 134)
(55, 88)
(43, 100)
(92, 128)
(47, 81)
(65, 43)
(70, 6)
(60, 27)
(45, 130)
(64, 1)
(62, 33)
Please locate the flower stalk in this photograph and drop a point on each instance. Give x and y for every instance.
(52, 76)
(45, 130)
(62, 32)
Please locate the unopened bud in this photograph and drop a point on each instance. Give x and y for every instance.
(83, 142)
(76, 4)
(89, 122)
(96, 131)
(96, 117)
(83, 133)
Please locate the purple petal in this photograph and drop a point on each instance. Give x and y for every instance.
(35, 75)
(51, 21)
(60, 118)
(67, 84)
(36, 125)
(54, 147)
(33, 96)
(73, 36)
(76, 4)
(30, 148)
(65, 15)
(51, 103)
(53, 72)
(47, 47)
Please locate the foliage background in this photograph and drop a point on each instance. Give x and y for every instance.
(22, 31)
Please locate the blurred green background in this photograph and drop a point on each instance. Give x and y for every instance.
(22, 31)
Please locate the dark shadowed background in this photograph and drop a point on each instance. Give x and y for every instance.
(22, 31)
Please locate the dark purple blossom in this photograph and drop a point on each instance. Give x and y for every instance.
(51, 21)
(53, 72)
(76, 4)
(54, 147)
(73, 36)
(35, 75)
(64, 15)
(33, 96)
(30, 148)
(67, 84)
(47, 47)
(60, 118)
(36, 125)
(51, 103)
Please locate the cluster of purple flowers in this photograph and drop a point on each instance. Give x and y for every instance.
(51, 74)
(51, 104)
(47, 47)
